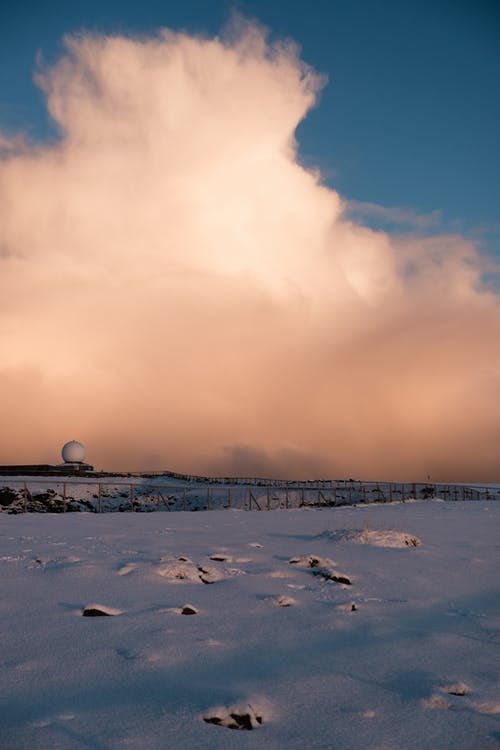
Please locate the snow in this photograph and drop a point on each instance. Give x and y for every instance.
(405, 656)
(389, 538)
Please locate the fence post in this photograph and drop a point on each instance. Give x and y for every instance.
(229, 497)
(64, 497)
(184, 498)
(165, 502)
(268, 499)
(208, 497)
(255, 502)
(350, 494)
(302, 496)
(99, 499)
(157, 498)
(131, 497)
(390, 492)
(25, 496)
(249, 499)
(286, 497)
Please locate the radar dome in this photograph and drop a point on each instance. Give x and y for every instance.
(73, 452)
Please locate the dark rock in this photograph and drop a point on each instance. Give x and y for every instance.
(341, 579)
(412, 542)
(236, 719)
(459, 689)
(329, 576)
(242, 721)
(95, 612)
(204, 575)
(203, 579)
(8, 496)
(189, 610)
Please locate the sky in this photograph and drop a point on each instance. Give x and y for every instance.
(263, 241)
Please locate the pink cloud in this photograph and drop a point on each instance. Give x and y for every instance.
(179, 292)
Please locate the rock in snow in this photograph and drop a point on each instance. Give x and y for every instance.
(234, 718)
(188, 609)
(98, 610)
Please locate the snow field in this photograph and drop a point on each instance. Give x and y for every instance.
(405, 655)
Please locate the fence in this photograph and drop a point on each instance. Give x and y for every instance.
(107, 495)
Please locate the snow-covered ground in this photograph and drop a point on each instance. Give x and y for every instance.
(371, 627)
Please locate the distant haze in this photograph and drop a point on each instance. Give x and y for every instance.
(177, 291)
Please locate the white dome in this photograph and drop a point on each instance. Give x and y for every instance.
(73, 452)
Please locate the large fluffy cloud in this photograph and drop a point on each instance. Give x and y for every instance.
(179, 292)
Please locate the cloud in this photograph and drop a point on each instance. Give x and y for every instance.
(393, 215)
(177, 291)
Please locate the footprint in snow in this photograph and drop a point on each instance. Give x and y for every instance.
(437, 703)
(41, 723)
(440, 702)
(278, 574)
(52, 562)
(126, 569)
(286, 601)
(124, 653)
(222, 557)
(487, 707)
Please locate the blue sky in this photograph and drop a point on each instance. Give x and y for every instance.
(409, 118)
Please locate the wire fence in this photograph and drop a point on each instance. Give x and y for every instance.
(36, 495)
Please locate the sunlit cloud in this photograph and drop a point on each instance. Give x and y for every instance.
(178, 291)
